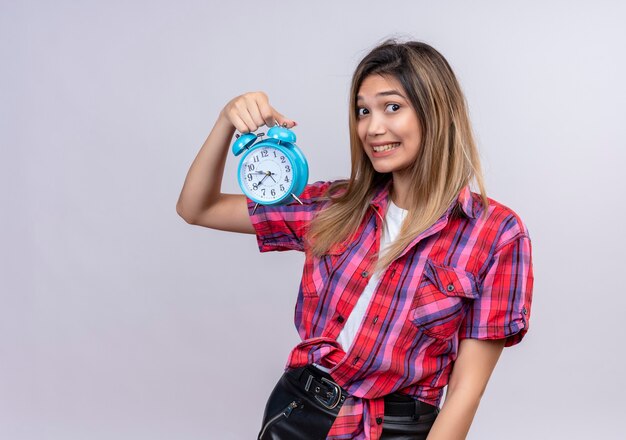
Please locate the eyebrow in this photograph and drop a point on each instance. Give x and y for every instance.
(385, 93)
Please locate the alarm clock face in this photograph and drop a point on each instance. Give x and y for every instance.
(266, 174)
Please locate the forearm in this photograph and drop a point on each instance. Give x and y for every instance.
(456, 416)
(203, 183)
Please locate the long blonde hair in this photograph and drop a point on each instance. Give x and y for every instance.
(447, 159)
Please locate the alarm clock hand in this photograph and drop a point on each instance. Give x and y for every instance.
(263, 178)
(267, 174)
(261, 172)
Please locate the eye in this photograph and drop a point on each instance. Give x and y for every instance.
(393, 107)
(361, 111)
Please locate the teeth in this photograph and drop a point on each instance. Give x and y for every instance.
(385, 147)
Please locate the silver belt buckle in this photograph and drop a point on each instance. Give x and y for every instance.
(332, 397)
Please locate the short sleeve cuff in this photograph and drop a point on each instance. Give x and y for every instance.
(513, 332)
(268, 239)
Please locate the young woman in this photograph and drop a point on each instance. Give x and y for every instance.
(411, 281)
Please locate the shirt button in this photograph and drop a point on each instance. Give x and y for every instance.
(356, 359)
(340, 319)
(450, 287)
(379, 420)
(524, 311)
(364, 274)
(375, 320)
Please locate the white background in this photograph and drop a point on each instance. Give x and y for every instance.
(120, 321)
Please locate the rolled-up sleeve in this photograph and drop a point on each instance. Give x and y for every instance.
(282, 227)
(503, 308)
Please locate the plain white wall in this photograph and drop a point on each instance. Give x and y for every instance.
(119, 320)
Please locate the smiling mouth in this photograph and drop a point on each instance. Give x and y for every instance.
(386, 147)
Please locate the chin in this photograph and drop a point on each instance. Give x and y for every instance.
(385, 168)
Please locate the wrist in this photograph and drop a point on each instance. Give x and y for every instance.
(224, 123)
(224, 126)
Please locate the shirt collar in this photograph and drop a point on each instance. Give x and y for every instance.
(471, 207)
(465, 200)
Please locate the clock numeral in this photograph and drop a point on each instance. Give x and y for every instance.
(282, 187)
(274, 153)
(273, 191)
(249, 176)
(287, 179)
(256, 158)
(255, 186)
(264, 153)
(263, 191)
(251, 167)
(282, 159)
(287, 168)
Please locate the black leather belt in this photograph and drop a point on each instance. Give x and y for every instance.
(397, 404)
(321, 386)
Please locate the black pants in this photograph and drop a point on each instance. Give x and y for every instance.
(298, 409)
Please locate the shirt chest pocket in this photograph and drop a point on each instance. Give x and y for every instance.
(441, 300)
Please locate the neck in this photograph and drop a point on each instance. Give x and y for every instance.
(400, 191)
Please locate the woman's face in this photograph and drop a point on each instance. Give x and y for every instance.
(387, 124)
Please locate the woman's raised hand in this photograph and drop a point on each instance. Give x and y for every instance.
(201, 201)
(252, 110)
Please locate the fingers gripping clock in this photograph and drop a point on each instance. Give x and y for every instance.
(272, 171)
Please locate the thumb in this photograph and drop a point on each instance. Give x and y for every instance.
(284, 121)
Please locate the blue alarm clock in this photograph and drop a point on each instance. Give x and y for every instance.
(273, 170)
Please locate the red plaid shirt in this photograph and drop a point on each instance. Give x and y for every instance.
(464, 277)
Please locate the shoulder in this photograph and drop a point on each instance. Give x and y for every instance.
(502, 222)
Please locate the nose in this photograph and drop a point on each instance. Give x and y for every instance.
(376, 125)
